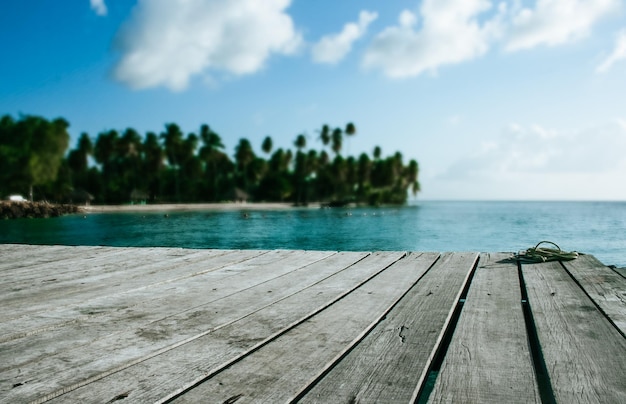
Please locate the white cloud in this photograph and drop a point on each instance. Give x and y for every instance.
(450, 33)
(99, 7)
(619, 53)
(445, 32)
(533, 148)
(169, 41)
(532, 162)
(555, 22)
(333, 48)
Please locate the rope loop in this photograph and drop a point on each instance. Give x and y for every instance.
(542, 254)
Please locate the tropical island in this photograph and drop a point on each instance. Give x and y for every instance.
(124, 167)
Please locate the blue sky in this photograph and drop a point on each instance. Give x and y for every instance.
(514, 100)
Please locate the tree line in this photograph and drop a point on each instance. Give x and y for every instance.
(119, 167)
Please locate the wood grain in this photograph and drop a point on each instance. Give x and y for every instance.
(148, 328)
(46, 309)
(391, 362)
(279, 370)
(584, 353)
(165, 372)
(488, 360)
(145, 325)
(604, 286)
(621, 271)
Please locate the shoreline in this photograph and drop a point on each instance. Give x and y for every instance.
(35, 210)
(183, 207)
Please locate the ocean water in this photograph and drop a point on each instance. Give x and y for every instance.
(597, 228)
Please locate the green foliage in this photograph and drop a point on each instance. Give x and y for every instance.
(31, 152)
(172, 166)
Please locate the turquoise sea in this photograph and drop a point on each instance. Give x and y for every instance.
(597, 228)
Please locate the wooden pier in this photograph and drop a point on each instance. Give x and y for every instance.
(145, 325)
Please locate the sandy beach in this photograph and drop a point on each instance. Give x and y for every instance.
(182, 207)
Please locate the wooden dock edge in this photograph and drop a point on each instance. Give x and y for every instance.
(307, 326)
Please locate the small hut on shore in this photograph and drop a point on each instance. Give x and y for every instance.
(80, 197)
(138, 197)
(239, 195)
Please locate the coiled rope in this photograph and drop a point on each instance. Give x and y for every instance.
(542, 254)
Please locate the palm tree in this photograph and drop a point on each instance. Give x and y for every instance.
(325, 135)
(337, 140)
(412, 173)
(210, 153)
(152, 164)
(130, 143)
(397, 165)
(191, 167)
(105, 147)
(324, 158)
(78, 163)
(211, 141)
(363, 174)
(350, 131)
(244, 155)
(279, 161)
(85, 145)
(190, 145)
(173, 142)
(313, 161)
(304, 166)
(339, 171)
(129, 148)
(299, 176)
(351, 175)
(78, 159)
(288, 158)
(300, 142)
(377, 153)
(276, 184)
(267, 145)
(105, 153)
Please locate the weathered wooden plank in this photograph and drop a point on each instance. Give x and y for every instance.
(170, 316)
(41, 262)
(621, 271)
(278, 371)
(604, 286)
(585, 355)
(82, 271)
(91, 261)
(39, 301)
(18, 256)
(392, 361)
(176, 369)
(149, 282)
(146, 343)
(95, 263)
(197, 312)
(488, 360)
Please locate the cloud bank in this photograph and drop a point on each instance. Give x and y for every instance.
(555, 22)
(333, 48)
(167, 42)
(99, 7)
(446, 32)
(450, 33)
(530, 162)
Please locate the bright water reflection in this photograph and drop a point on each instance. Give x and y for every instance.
(593, 227)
